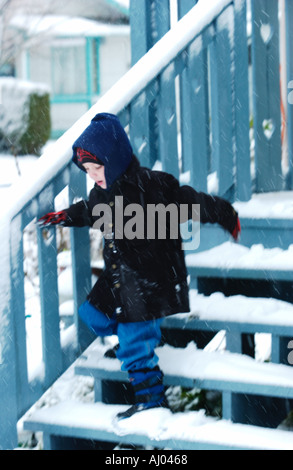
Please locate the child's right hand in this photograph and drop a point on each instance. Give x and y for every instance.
(52, 218)
(237, 230)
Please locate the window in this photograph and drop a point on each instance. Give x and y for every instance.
(95, 66)
(69, 68)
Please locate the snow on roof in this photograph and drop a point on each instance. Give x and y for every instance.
(122, 4)
(66, 26)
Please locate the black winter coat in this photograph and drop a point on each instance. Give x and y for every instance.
(144, 278)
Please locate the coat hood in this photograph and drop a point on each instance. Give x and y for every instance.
(106, 139)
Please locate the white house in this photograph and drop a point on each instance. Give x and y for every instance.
(79, 58)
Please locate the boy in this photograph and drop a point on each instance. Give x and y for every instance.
(145, 278)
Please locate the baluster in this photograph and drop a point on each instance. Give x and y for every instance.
(166, 112)
(221, 103)
(8, 353)
(18, 309)
(141, 28)
(47, 254)
(279, 354)
(142, 129)
(150, 20)
(289, 45)
(167, 117)
(241, 104)
(266, 95)
(184, 6)
(80, 250)
(195, 115)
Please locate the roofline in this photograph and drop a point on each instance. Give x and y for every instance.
(118, 6)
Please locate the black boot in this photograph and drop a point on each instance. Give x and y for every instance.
(148, 390)
(111, 353)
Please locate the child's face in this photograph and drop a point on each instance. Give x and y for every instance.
(97, 173)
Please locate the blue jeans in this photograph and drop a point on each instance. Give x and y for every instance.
(137, 340)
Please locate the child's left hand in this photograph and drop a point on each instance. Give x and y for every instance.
(52, 218)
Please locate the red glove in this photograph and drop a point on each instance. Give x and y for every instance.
(53, 218)
(237, 230)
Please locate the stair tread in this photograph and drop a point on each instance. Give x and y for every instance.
(234, 309)
(194, 367)
(270, 205)
(240, 261)
(187, 430)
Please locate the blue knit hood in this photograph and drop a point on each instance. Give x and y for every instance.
(106, 139)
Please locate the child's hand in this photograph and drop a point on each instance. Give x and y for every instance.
(228, 218)
(237, 230)
(52, 218)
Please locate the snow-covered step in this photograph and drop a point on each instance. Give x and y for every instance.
(158, 428)
(235, 313)
(267, 218)
(267, 206)
(237, 261)
(192, 367)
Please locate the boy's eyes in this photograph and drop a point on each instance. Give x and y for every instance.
(98, 167)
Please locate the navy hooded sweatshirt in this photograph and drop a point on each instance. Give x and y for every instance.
(106, 139)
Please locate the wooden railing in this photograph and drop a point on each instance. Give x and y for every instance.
(186, 104)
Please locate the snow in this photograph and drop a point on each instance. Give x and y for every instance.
(268, 205)
(14, 96)
(162, 425)
(123, 3)
(230, 255)
(191, 362)
(70, 400)
(225, 366)
(238, 308)
(65, 26)
(10, 168)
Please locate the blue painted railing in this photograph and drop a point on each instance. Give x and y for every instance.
(185, 103)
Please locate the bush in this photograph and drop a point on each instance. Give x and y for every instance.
(25, 123)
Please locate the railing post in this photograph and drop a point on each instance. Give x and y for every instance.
(266, 95)
(8, 358)
(289, 46)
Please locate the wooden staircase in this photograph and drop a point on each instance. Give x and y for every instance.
(236, 376)
(256, 396)
(241, 291)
